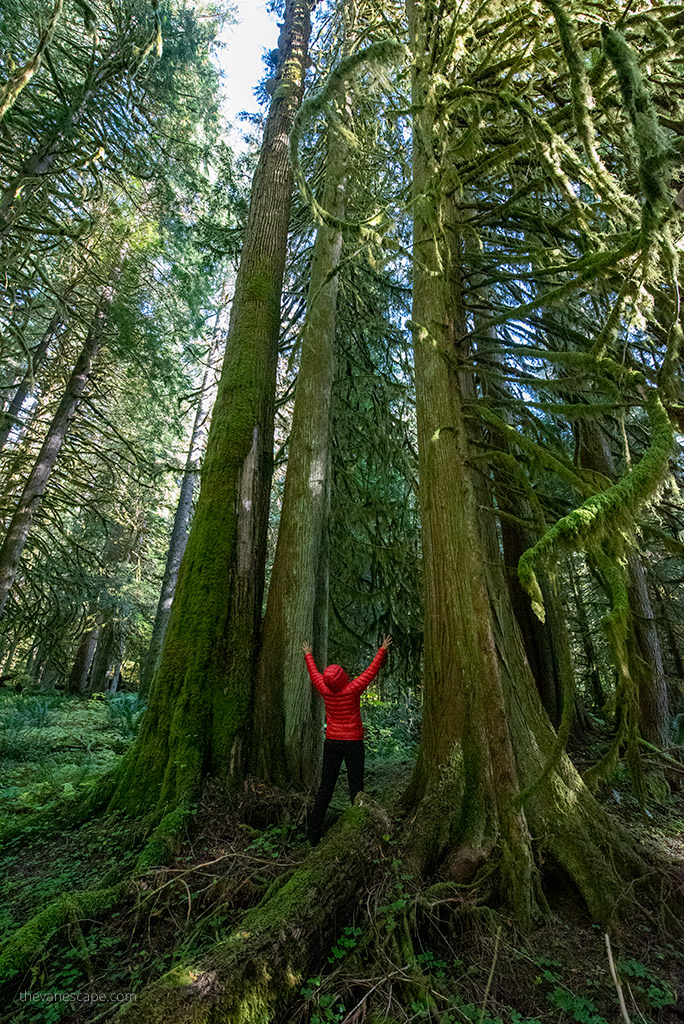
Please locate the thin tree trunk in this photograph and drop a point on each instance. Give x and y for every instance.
(181, 521)
(666, 624)
(654, 722)
(37, 482)
(10, 417)
(79, 676)
(105, 655)
(586, 640)
(8, 658)
(201, 703)
(287, 720)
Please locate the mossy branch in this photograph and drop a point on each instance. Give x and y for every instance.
(611, 509)
(656, 155)
(21, 78)
(23, 946)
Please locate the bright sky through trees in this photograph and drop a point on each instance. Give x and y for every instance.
(240, 61)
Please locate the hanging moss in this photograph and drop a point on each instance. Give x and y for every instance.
(656, 156)
(583, 102)
(383, 52)
(612, 509)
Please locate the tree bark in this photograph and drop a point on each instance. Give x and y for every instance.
(253, 975)
(107, 658)
(39, 477)
(10, 416)
(201, 701)
(181, 521)
(585, 639)
(547, 645)
(79, 677)
(287, 719)
(489, 775)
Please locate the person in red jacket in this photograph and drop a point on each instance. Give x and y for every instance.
(343, 730)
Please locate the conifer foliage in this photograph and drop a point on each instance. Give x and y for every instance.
(444, 293)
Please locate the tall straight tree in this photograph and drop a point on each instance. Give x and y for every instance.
(489, 774)
(201, 699)
(287, 720)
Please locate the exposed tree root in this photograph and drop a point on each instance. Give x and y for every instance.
(33, 936)
(257, 971)
(96, 901)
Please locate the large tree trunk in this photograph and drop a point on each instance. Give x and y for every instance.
(201, 698)
(181, 521)
(253, 975)
(37, 482)
(645, 660)
(287, 720)
(488, 775)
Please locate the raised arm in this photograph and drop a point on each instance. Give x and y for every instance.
(361, 682)
(314, 674)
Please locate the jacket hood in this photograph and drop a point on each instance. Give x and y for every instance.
(335, 678)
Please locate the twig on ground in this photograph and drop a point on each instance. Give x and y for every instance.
(491, 975)
(616, 982)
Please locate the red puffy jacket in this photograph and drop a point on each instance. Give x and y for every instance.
(342, 696)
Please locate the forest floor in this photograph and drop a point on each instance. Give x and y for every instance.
(466, 963)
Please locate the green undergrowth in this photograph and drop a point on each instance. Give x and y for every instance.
(419, 951)
(169, 916)
(52, 746)
(434, 956)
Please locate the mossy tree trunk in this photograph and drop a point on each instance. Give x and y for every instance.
(287, 720)
(257, 971)
(202, 695)
(486, 739)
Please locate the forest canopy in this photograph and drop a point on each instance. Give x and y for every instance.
(404, 360)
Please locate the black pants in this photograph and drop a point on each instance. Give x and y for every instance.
(352, 752)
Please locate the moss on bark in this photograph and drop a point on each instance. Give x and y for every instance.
(253, 975)
(490, 784)
(201, 697)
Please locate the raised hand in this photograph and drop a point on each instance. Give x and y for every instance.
(386, 641)
(306, 647)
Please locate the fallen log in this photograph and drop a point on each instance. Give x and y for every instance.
(258, 970)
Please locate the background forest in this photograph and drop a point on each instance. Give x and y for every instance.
(408, 361)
